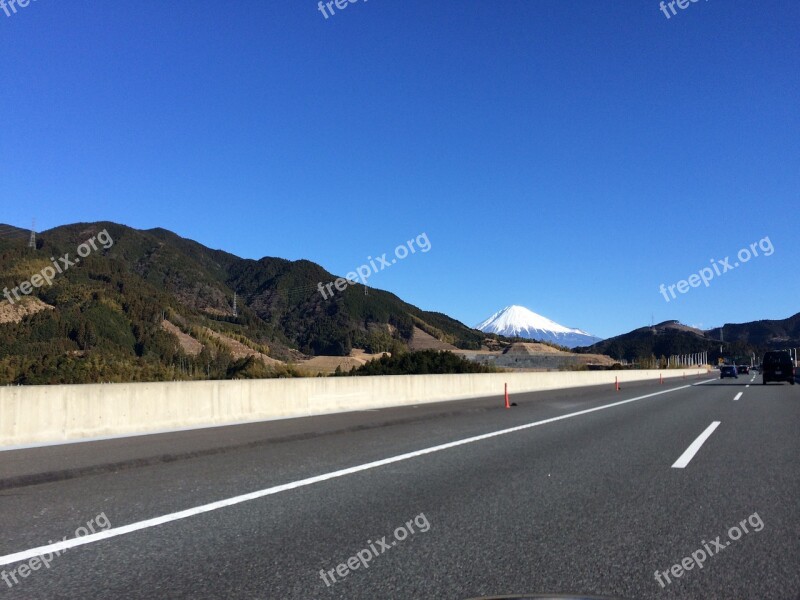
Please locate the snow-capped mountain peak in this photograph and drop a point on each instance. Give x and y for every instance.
(518, 321)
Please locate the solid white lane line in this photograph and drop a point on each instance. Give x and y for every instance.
(688, 455)
(184, 514)
(739, 395)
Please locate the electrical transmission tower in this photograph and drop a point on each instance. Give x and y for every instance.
(32, 240)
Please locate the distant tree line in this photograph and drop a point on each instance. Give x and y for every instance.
(421, 362)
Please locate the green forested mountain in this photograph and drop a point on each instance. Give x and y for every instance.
(104, 315)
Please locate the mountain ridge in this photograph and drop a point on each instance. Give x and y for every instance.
(106, 320)
(738, 340)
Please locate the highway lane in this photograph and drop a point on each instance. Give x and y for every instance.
(46, 463)
(373, 436)
(590, 503)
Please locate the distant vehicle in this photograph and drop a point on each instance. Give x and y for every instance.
(728, 371)
(743, 369)
(777, 366)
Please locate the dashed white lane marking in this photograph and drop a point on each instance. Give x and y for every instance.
(688, 455)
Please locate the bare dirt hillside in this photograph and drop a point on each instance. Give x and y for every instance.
(327, 364)
(189, 345)
(533, 356)
(239, 350)
(424, 341)
(532, 348)
(14, 313)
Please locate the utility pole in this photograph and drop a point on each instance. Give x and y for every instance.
(235, 311)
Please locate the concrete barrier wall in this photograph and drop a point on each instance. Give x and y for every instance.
(42, 414)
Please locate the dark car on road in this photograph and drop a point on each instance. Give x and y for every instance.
(743, 369)
(728, 371)
(777, 366)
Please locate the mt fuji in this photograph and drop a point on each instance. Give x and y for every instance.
(518, 321)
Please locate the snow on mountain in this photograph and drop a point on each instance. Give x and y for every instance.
(518, 321)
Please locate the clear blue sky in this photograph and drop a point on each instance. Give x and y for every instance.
(569, 156)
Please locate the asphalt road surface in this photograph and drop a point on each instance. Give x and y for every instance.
(590, 490)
